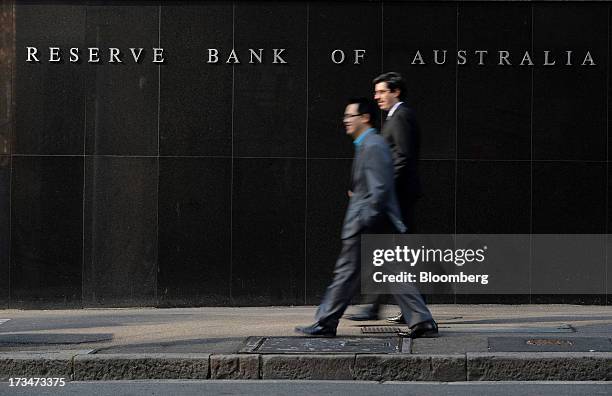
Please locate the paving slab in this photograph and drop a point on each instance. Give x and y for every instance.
(53, 338)
(460, 344)
(199, 345)
(506, 328)
(549, 344)
(335, 345)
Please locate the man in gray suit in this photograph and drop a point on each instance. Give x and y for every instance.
(401, 131)
(372, 209)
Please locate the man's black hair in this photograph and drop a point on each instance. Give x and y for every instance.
(366, 106)
(394, 82)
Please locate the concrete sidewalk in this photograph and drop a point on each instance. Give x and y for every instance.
(477, 342)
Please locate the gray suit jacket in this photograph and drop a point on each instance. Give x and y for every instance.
(374, 201)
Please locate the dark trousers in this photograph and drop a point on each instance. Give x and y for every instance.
(346, 282)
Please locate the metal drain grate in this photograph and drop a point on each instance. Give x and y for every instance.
(383, 329)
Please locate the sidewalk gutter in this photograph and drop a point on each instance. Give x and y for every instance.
(493, 366)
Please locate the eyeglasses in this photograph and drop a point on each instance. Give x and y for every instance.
(347, 116)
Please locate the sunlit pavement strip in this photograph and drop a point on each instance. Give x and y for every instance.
(506, 328)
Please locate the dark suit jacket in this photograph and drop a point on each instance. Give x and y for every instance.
(402, 133)
(373, 202)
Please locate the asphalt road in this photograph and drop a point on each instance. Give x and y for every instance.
(308, 388)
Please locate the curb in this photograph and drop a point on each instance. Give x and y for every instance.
(492, 366)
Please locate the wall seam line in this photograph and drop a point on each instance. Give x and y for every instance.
(590, 161)
(158, 161)
(11, 149)
(306, 158)
(607, 164)
(531, 164)
(84, 192)
(231, 269)
(456, 131)
(382, 39)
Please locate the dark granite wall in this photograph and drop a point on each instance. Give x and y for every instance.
(7, 115)
(213, 184)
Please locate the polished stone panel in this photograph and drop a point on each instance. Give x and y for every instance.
(569, 108)
(435, 209)
(7, 40)
(568, 264)
(5, 231)
(328, 183)
(608, 268)
(46, 231)
(122, 98)
(120, 265)
(196, 96)
(487, 192)
(268, 212)
(194, 231)
(269, 112)
(608, 297)
(431, 88)
(493, 100)
(334, 26)
(49, 97)
(569, 198)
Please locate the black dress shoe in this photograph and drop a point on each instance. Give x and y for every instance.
(427, 329)
(361, 316)
(399, 319)
(316, 329)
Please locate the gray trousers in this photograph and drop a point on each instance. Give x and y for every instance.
(346, 283)
(407, 203)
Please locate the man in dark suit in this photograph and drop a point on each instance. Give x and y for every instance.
(401, 131)
(372, 209)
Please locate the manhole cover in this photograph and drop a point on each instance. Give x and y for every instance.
(384, 329)
(541, 344)
(288, 345)
(46, 338)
